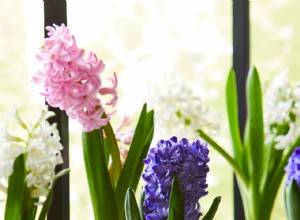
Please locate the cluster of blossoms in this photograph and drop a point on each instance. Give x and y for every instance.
(282, 111)
(188, 161)
(178, 111)
(293, 167)
(41, 145)
(72, 81)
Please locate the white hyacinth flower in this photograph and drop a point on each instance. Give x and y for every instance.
(282, 111)
(178, 111)
(41, 144)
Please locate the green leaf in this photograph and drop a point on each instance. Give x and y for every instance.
(254, 138)
(229, 159)
(141, 203)
(114, 152)
(29, 206)
(233, 118)
(272, 158)
(131, 207)
(176, 207)
(15, 191)
(101, 190)
(274, 181)
(140, 166)
(106, 151)
(47, 203)
(133, 166)
(213, 209)
(254, 131)
(292, 200)
(46, 206)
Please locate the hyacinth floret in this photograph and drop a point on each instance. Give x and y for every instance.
(40, 143)
(188, 161)
(282, 111)
(178, 111)
(293, 167)
(72, 82)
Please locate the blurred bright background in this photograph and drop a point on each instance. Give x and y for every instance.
(141, 41)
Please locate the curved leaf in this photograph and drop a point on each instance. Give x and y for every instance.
(254, 131)
(141, 202)
(100, 187)
(213, 209)
(138, 150)
(233, 118)
(29, 206)
(47, 203)
(112, 144)
(15, 191)
(254, 138)
(274, 182)
(226, 156)
(292, 200)
(176, 206)
(140, 165)
(131, 207)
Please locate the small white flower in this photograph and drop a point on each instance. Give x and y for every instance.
(296, 95)
(282, 111)
(284, 141)
(45, 114)
(41, 145)
(39, 192)
(6, 168)
(178, 111)
(13, 116)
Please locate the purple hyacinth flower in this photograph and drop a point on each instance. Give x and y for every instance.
(188, 160)
(293, 167)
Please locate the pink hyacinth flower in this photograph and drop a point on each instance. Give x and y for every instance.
(71, 81)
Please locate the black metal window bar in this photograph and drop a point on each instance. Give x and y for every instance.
(55, 12)
(241, 60)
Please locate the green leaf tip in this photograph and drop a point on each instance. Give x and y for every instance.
(213, 209)
(131, 208)
(176, 207)
(292, 200)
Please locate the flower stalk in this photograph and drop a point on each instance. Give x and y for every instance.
(98, 177)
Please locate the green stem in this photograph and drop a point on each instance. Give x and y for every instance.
(274, 183)
(229, 159)
(114, 152)
(101, 190)
(29, 208)
(16, 190)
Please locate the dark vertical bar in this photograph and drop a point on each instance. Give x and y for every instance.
(241, 61)
(55, 12)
